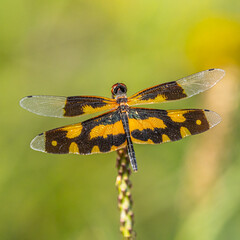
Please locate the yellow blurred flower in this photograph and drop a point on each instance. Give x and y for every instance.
(215, 42)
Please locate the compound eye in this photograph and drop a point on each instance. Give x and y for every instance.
(115, 90)
(123, 89)
(119, 88)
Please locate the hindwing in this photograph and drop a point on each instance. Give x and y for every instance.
(153, 126)
(101, 134)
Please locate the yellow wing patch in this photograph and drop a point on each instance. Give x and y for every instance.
(165, 138)
(114, 148)
(73, 132)
(198, 122)
(149, 141)
(73, 148)
(177, 116)
(95, 149)
(184, 132)
(90, 109)
(136, 100)
(54, 143)
(105, 130)
(149, 123)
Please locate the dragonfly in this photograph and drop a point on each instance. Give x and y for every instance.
(122, 125)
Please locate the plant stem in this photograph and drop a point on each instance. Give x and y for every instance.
(125, 202)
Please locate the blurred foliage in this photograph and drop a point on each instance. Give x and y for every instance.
(60, 47)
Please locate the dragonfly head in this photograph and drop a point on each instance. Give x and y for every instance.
(119, 89)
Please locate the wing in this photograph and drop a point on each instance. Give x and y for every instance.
(101, 134)
(54, 106)
(182, 88)
(153, 126)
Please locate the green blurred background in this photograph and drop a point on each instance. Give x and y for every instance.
(187, 190)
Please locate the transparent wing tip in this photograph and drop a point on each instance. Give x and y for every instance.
(202, 81)
(50, 106)
(24, 102)
(213, 118)
(38, 143)
(217, 73)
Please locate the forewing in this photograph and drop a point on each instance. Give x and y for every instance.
(153, 126)
(182, 88)
(54, 106)
(101, 134)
